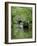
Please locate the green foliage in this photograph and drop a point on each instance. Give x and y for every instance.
(23, 13)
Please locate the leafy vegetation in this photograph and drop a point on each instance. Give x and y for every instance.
(24, 14)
